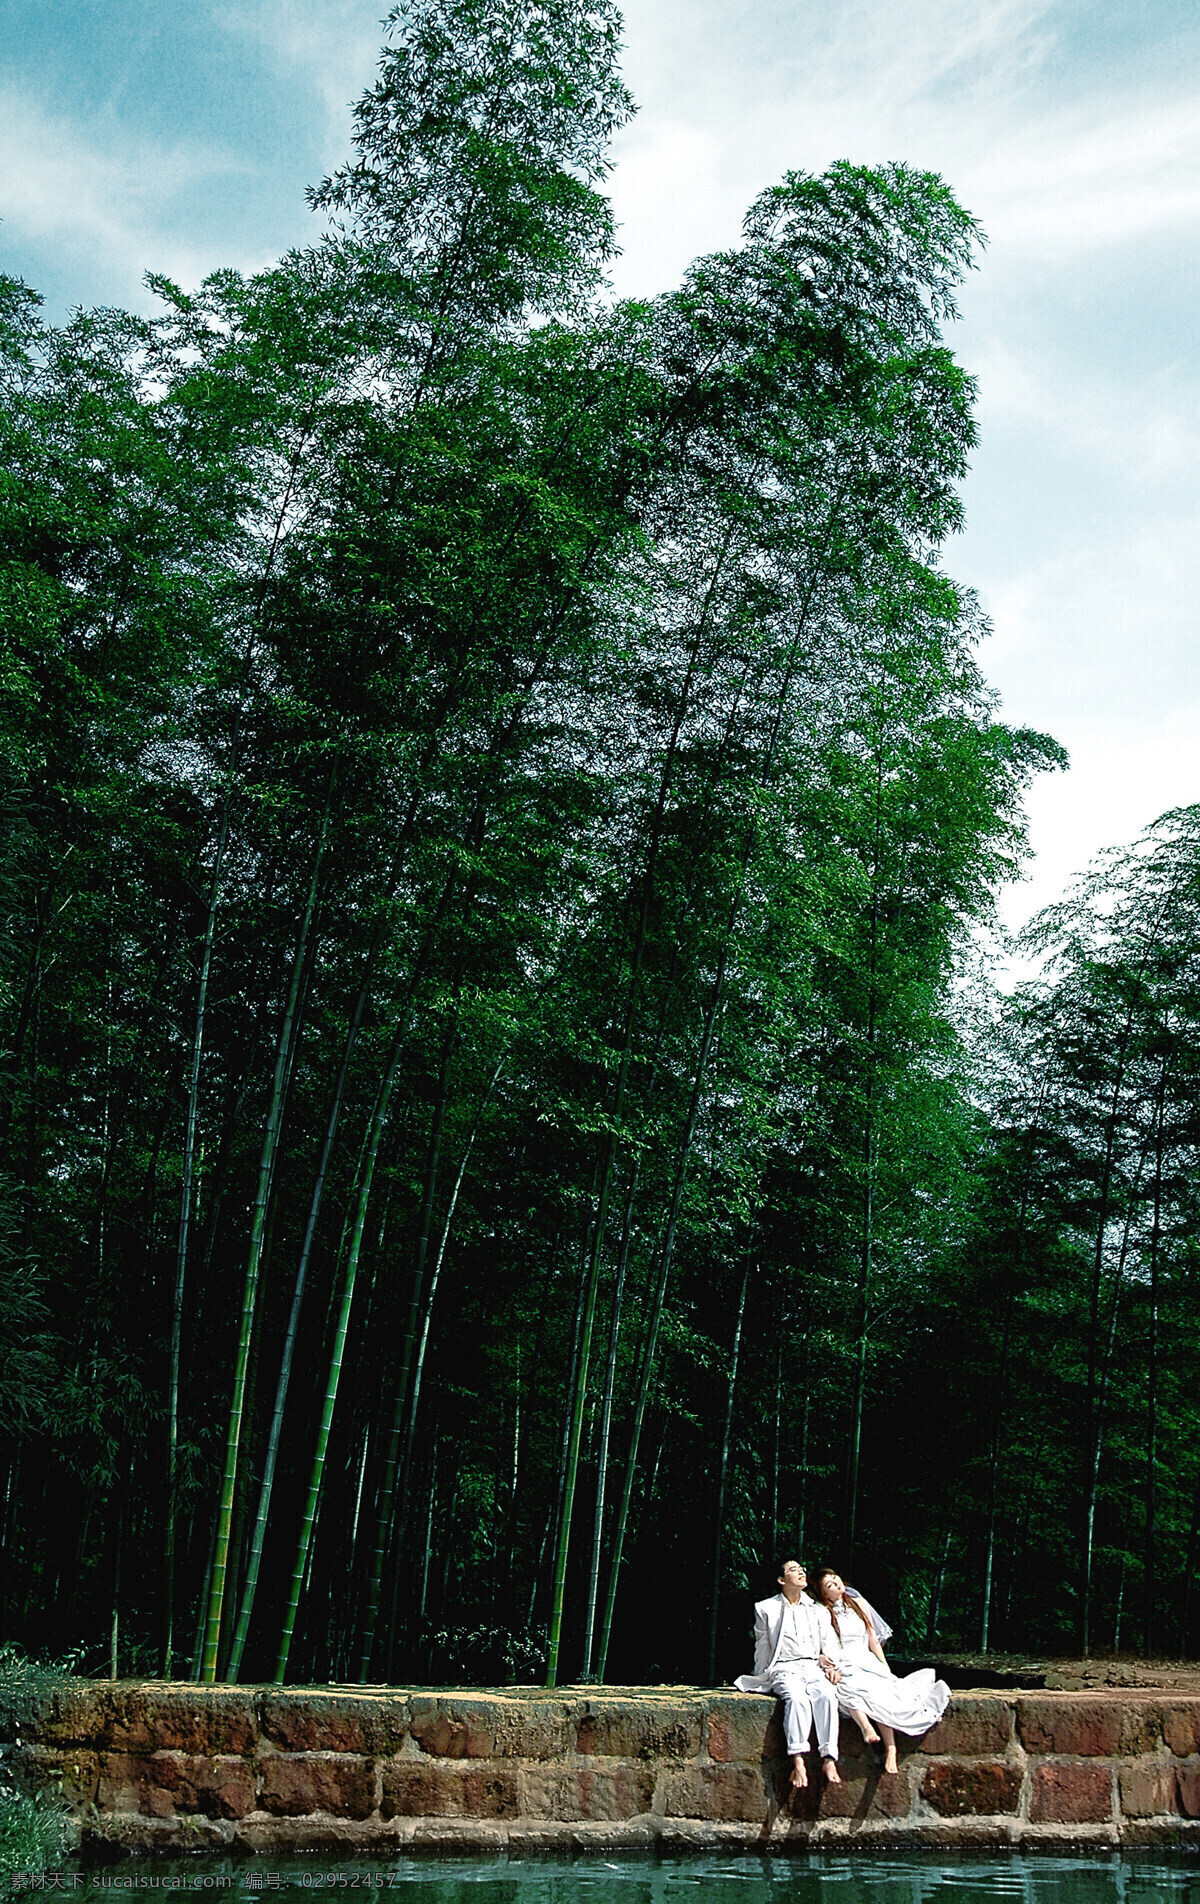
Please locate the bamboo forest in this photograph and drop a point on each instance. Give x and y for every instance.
(512, 1107)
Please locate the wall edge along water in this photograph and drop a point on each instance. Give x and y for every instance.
(148, 1766)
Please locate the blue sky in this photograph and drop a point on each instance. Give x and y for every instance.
(177, 135)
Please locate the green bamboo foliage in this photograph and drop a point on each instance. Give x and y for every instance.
(610, 1150)
(666, 766)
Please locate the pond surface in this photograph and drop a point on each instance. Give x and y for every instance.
(810, 1879)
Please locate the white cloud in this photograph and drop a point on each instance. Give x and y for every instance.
(732, 98)
(1092, 178)
(111, 201)
(1122, 777)
(332, 44)
(1145, 429)
(1102, 626)
(672, 201)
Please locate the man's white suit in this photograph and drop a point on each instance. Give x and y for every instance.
(806, 1693)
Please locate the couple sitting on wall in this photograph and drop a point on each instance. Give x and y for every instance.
(823, 1655)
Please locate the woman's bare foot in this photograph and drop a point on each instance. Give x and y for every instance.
(889, 1761)
(832, 1775)
(864, 1725)
(889, 1748)
(799, 1775)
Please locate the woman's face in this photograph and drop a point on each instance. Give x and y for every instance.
(832, 1588)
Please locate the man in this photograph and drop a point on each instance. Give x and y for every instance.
(796, 1651)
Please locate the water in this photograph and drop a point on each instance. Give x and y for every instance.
(813, 1878)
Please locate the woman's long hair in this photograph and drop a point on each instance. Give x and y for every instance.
(818, 1581)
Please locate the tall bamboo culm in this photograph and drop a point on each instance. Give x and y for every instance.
(719, 1537)
(267, 1484)
(370, 1158)
(266, 1168)
(387, 1492)
(186, 1196)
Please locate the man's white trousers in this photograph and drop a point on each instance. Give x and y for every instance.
(808, 1699)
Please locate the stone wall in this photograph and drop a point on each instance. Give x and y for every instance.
(391, 1769)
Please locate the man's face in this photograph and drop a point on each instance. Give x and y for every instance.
(793, 1579)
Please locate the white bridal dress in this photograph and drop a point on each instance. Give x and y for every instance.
(910, 1705)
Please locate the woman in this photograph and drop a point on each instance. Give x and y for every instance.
(869, 1690)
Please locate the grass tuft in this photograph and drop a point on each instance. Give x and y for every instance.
(34, 1829)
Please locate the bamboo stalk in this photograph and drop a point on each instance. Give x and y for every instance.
(1150, 1569)
(719, 1542)
(552, 1516)
(1093, 1373)
(1189, 1569)
(267, 1484)
(694, 1109)
(427, 1317)
(773, 1535)
(185, 1217)
(870, 1153)
(575, 1431)
(216, 1596)
(1001, 1374)
(610, 1374)
(391, 1458)
(428, 1544)
(802, 1507)
(579, 1395)
(1104, 1368)
(365, 1178)
(656, 1310)
(935, 1598)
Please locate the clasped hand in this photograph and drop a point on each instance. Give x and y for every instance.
(829, 1669)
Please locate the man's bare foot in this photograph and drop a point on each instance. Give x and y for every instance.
(889, 1761)
(799, 1774)
(832, 1775)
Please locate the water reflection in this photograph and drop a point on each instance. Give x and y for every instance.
(813, 1879)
